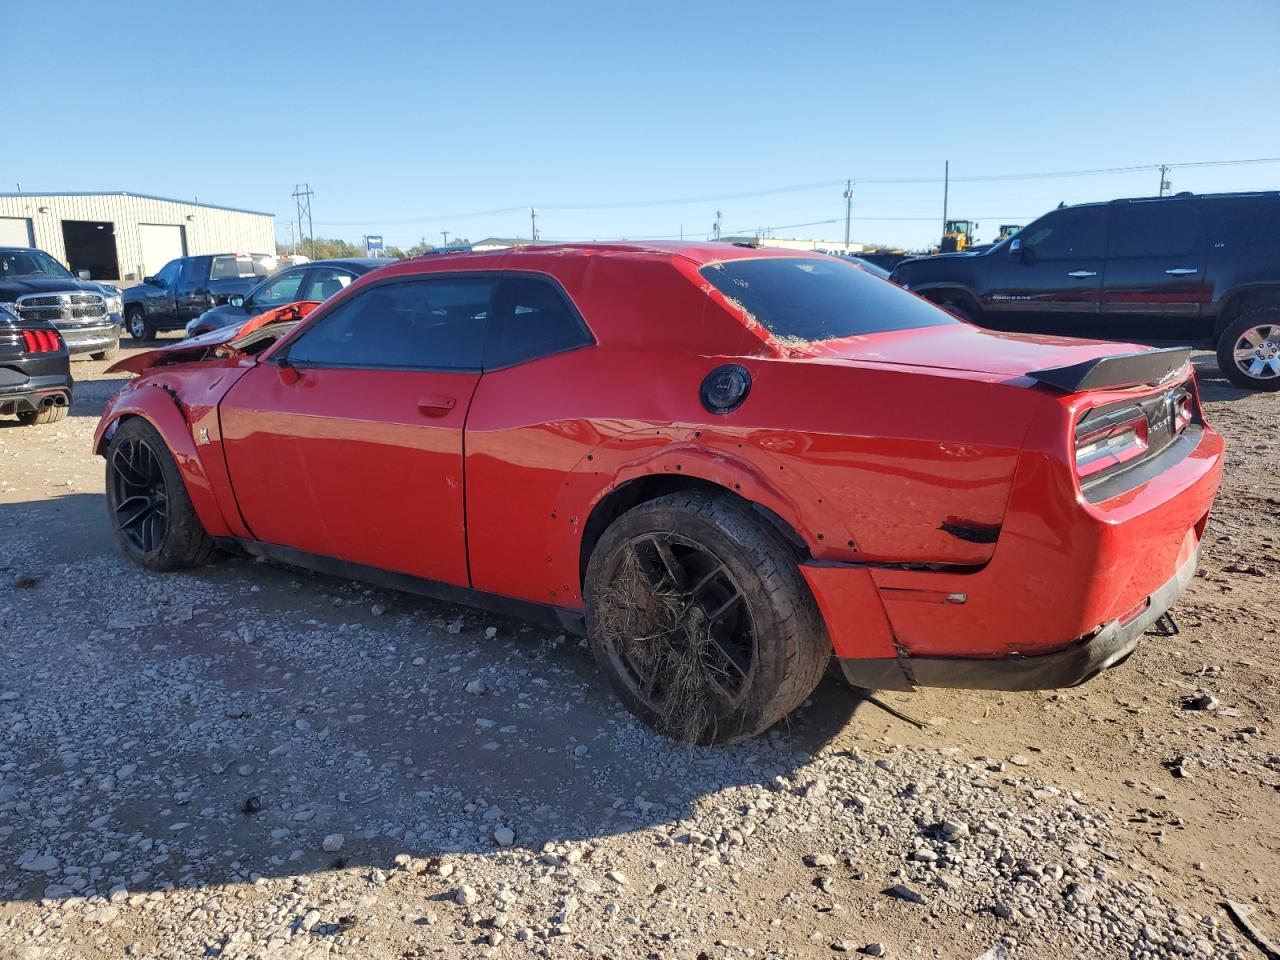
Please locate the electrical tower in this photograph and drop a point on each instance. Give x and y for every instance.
(533, 224)
(848, 211)
(715, 229)
(445, 234)
(302, 195)
(1165, 185)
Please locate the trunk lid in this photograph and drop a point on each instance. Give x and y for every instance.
(963, 347)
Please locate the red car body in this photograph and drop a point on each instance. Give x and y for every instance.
(927, 476)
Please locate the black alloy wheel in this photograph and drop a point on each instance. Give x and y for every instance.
(139, 496)
(686, 636)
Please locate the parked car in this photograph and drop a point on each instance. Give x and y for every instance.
(187, 287)
(36, 287)
(719, 462)
(318, 280)
(1189, 268)
(35, 370)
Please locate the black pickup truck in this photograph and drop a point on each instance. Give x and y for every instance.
(187, 287)
(35, 370)
(1196, 268)
(36, 287)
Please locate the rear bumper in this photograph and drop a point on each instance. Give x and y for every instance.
(1069, 667)
(21, 392)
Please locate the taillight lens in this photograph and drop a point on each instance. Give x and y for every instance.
(1183, 412)
(41, 341)
(1110, 446)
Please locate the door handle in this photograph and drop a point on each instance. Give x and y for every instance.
(1081, 274)
(1181, 271)
(436, 405)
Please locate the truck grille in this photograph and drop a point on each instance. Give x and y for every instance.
(64, 309)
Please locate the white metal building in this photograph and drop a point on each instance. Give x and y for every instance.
(123, 237)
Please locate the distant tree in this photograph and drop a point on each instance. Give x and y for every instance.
(418, 249)
(395, 252)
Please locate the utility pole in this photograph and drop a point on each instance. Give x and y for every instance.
(445, 234)
(302, 195)
(946, 189)
(715, 229)
(533, 223)
(848, 211)
(1165, 185)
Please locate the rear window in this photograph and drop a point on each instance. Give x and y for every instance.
(230, 268)
(812, 300)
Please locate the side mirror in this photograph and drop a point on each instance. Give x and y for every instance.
(150, 281)
(1015, 249)
(83, 274)
(237, 300)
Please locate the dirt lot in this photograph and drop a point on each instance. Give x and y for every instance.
(247, 761)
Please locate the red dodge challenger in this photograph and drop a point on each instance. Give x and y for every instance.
(720, 462)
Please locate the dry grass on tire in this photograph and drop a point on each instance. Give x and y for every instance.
(643, 626)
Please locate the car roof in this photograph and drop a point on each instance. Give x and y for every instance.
(698, 253)
(367, 263)
(1185, 195)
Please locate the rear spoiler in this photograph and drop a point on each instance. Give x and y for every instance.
(1121, 370)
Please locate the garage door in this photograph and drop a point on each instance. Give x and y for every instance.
(161, 243)
(15, 232)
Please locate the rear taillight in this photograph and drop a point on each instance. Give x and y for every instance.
(1110, 446)
(41, 341)
(1184, 411)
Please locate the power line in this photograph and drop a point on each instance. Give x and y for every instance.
(805, 187)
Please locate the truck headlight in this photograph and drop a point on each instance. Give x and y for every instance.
(115, 304)
(11, 307)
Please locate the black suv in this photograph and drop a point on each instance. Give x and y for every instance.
(1192, 268)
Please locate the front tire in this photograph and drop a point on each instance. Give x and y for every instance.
(1249, 349)
(139, 328)
(107, 354)
(699, 616)
(151, 512)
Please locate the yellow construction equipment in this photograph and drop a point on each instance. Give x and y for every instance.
(957, 235)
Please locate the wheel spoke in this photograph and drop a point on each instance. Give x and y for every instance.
(661, 567)
(731, 655)
(125, 469)
(132, 510)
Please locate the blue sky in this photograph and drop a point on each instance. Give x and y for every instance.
(409, 118)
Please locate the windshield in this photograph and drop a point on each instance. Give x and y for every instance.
(25, 264)
(812, 300)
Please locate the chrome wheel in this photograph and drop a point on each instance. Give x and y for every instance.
(139, 497)
(137, 326)
(678, 628)
(1257, 352)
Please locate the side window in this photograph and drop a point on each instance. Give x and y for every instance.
(168, 274)
(1154, 228)
(531, 319)
(283, 289)
(193, 271)
(1068, 235)
(436, 324)
(324, 282)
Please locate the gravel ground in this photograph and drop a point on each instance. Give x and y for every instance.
(247, 761)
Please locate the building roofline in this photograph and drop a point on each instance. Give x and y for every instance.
(126, 193)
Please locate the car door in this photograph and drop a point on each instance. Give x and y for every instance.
(348, 441)
(191, 295)
(160, 302)
(1155, 283)
(1049, 278)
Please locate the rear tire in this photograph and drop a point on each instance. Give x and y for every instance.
(151, 512)
(31, 418)
(699, 616)
(1249, 349)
